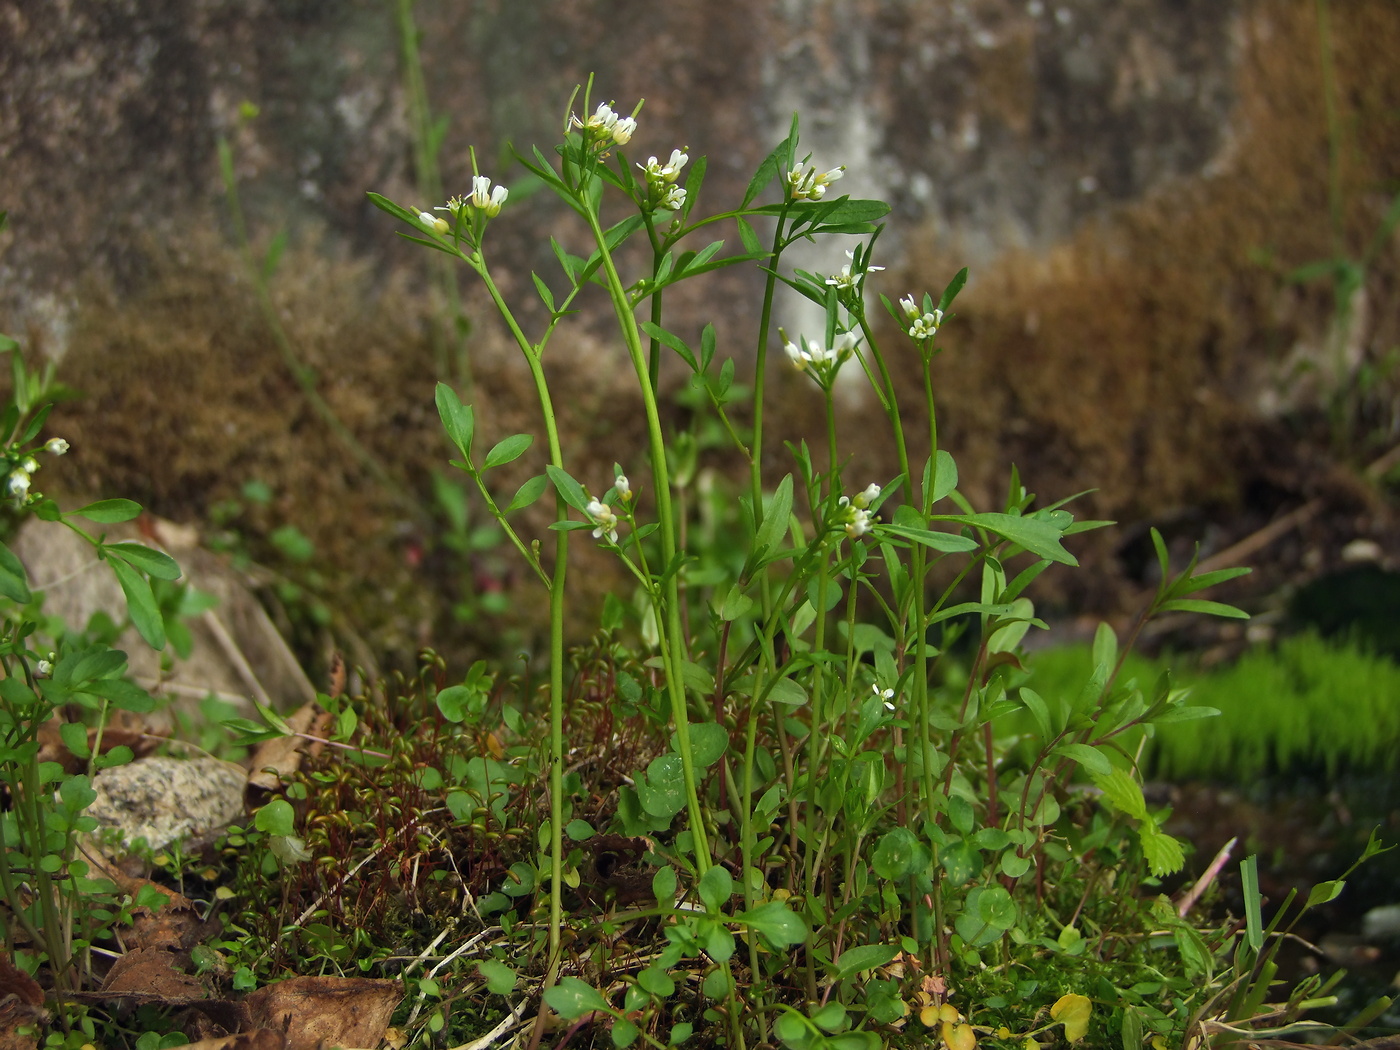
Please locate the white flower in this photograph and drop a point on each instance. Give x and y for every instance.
(859, 523)
(29, 464)
(846, 279)
(623, 486)
(56, 446)
(485, 198)
(806, 183)
(925, 327)
(604, 518)
(798, 358)
(887, 695)
(623, 130)
(606, 125)
(43, 668)
(673, 199)
(18, 483)
(433, 223)
(668, 172)
(869, 496)
(910, 307)
(603, 119)
(821, 361)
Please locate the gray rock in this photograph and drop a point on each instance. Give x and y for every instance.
(162, 799)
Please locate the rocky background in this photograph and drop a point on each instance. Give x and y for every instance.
(1132, 185)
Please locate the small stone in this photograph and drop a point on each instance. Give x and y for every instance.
(162, 799)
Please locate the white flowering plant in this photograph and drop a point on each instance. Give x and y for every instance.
(53, 906)
(854, 834)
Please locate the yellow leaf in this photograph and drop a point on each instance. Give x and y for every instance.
(1074, 1011)
(959, 1036)
(948, 1012)
(929, 1016)
(1030, 1044)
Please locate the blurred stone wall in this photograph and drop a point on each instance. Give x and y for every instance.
(1132, 184)
(989, 124)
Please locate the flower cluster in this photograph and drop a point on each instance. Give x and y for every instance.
(855, 514)
(806, 183)
(820, 362)
(662, 192)
(22, 468)
(923, 324)
(605, 519)
(605, 128)
(846, 280)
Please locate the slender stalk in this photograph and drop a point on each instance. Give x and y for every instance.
(668, 614)
(533, 359)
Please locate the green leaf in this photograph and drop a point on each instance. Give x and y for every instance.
(152, 562)
(954, 287)
(276, 818)
(962, 861)
(500, 978)
(775, 519)
(624, 1033)
(527, 493)
(572, 998)
(1034, 534)
(1036, 705)
(508, 449)
(830, 1018)
(947, 542)
(777, 922)
(140, 603)
(1324, 892)
(1123, 793)
(1163, 853)
(1249, 889)
(864, 957)
(1198, 605)
(663, 886)
(657, 981)
(579, 830)
(75, 737)
(715, 888)
(1094, 761)
(945, 477)
(109, 511)
(894, 854)
(662, 792)
(708, 742)
(457, 419)
(996, 907)
(569, 489)
(14, 581)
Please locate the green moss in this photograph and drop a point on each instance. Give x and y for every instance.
(1303, 702)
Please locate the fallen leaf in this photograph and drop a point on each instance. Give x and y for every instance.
(326, 1011)
(257, 1039)
(21, 1007)
(150, 971)
(283, 754)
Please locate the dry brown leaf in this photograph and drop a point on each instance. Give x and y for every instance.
(326, 1011)
(283, 755)
(151, 971)
(21, 1007)
(257, 1039)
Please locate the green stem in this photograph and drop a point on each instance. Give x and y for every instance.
(668, 615)
(556, 625)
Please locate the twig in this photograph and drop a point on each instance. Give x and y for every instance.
(1203, 883)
